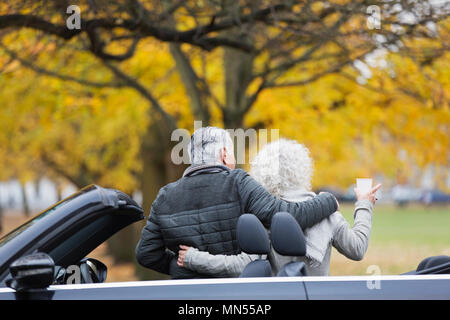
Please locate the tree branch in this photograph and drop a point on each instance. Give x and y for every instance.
(196, 36)
(318, 75)
(63, 77)
(133, 83)
(196, 89)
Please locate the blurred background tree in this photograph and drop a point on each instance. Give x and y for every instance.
(98, 104)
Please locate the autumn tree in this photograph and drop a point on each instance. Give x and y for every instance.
(395, 120)
(266, 45)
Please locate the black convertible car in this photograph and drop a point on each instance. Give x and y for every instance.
(38, 259)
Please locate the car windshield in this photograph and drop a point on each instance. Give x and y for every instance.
(8, 237)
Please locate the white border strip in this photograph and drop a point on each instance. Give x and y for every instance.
(152, 283)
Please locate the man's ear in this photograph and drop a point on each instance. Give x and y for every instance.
(223, 155)
(228, 159)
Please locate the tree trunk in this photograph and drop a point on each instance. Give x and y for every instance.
(157, 167)
(58, 186)
(238, 76)
(195, 89)
(1, 218)
(157, 171)
(25, 206)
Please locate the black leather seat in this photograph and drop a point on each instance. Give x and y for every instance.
(435, 264)
(252, 238)
(288, 240)
(432, 265)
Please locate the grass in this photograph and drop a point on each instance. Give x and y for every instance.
(401, 237)
(409, 226)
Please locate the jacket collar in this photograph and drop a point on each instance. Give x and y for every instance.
(204, 168)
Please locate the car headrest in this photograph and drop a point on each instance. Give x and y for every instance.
(287, 236)
(251, 235)
(432, 262)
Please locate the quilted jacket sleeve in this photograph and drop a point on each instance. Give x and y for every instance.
(151, 251)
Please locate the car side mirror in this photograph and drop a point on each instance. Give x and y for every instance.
(93, 270)
(34, 271)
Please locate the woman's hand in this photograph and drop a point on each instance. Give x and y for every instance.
(182, 255)
(368, 196)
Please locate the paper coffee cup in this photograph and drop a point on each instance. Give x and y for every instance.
(364, 185)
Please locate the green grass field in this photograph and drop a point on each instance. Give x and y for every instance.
(401, 237)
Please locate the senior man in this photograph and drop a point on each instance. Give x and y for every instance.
(202, 208)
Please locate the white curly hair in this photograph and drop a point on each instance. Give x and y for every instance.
(283, 165)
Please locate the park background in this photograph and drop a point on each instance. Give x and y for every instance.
(97, 104)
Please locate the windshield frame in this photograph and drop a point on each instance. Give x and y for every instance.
(29, 236)
(27, 224)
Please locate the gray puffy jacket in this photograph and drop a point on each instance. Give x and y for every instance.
(201, 210)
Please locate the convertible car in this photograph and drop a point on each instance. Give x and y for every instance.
(38, 260)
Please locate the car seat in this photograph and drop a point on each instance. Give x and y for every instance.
(288, 240)
(252, 238)
(432, 265)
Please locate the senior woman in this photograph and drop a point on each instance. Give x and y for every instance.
(285, 169)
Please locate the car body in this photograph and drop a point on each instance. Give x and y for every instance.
(346, 196)
(403, 194)
(399, 287)
(72, 228)
(435, 197)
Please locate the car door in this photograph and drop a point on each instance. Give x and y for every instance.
(394, 287)
(286, 288)
(76, 240)
(71, 231)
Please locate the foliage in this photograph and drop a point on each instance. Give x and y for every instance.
(398, 121)
(80, 105)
